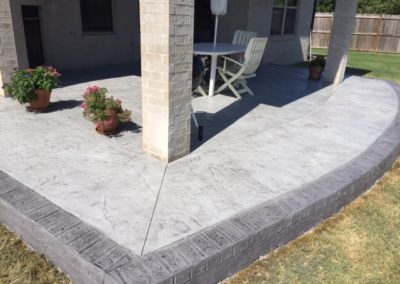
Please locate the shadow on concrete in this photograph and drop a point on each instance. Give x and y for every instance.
(276, 86)
(350, 71)
(356, 71)
(78, 76)
(130, 126)
(64, 105)
(124, 127)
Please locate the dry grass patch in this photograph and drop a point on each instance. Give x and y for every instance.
(18, 264)
(361, 244)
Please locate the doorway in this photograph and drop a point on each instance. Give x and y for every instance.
(33, 35)
(203, 22)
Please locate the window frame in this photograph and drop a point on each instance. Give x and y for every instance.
(99, 32)
(285, 7)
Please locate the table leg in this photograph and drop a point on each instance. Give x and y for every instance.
(213, 73)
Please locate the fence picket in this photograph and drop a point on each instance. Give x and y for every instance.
(379, 33)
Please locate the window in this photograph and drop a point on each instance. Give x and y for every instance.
(284, 15)
(96, 16)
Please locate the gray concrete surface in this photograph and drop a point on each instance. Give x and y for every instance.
(257, 150)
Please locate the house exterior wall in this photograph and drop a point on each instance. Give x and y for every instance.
(67, 47)
(256, 15)
(8, 53)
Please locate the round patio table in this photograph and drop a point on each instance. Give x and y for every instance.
(208, 49)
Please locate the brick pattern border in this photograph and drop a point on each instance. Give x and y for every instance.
(208, 256)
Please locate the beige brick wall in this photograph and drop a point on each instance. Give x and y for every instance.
(8, 54)
(67, 47)
(166, 48)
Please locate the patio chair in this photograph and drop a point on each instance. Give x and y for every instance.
(243, 37)
(235, 74)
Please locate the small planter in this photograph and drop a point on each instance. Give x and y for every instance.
(106, 112)
(316, 73)
(33, 87)
(42, 102)
(108, 126)
(317, 66)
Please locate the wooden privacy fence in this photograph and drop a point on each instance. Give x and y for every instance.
(379, 33)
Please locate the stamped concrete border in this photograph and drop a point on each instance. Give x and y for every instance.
(208, 256)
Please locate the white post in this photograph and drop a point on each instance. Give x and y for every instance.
(215, 31)
(218, 8)
(341, 35)
(213, 75)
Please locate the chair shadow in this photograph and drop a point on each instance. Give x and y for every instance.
(64, 105)
(283, 86)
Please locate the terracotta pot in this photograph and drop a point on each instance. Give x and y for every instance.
(42, 102)
(108, 126)
(315, 73)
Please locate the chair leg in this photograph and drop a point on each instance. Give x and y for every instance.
(243, 83)
(228, 84)
(201, 91)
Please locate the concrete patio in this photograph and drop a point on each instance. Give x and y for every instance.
(256, 150)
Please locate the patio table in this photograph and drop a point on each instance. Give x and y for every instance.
(208, 49)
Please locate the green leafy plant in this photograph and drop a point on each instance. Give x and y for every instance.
(318, 62)
(99, 107)
(365, 6)
(24, 83)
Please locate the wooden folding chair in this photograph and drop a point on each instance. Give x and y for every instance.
(235, 74)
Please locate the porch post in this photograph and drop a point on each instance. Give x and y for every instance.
(166, 54)
(340, 41)
(8, 50)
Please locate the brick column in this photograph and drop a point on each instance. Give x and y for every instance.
(166, 53)
(343, 25)
(8, 51)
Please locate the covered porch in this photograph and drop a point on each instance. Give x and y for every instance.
(256, 151)
(269, 167)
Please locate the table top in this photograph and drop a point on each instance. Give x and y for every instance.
(207, 48)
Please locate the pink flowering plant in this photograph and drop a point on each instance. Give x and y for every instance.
(97, 106)
(24, 83)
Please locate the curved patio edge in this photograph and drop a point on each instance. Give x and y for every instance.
(212, 254)
(223, 249)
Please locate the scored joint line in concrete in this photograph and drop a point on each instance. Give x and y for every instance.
(154, 209)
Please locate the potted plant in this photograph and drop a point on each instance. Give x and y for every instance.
(106, 112)
(317, 66)
(33, 86)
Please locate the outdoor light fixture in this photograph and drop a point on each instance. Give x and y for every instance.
(218, 8)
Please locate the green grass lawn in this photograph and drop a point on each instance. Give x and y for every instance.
(374, 65)
(361, 244)
(18, 264)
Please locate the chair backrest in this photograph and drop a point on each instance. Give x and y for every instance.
(254, 54)
(243, 37)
